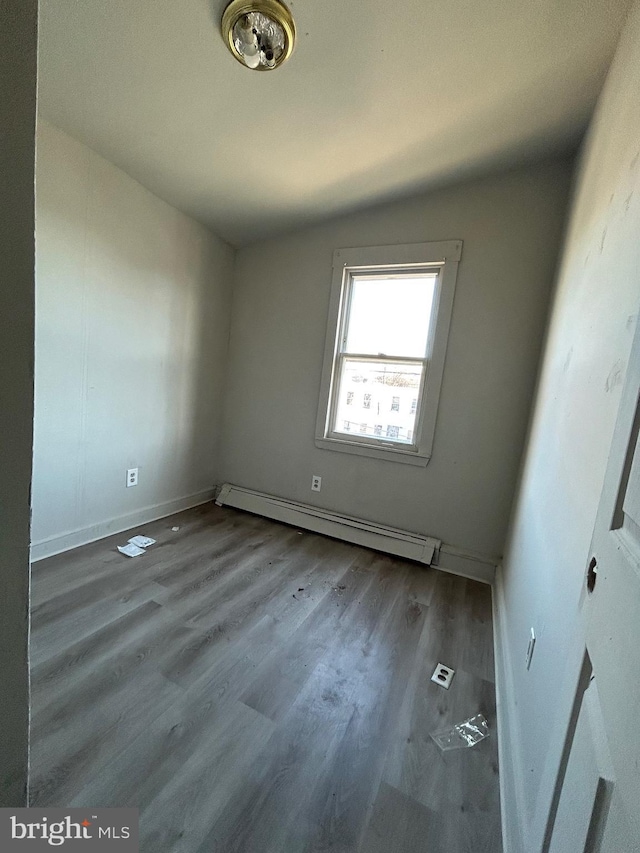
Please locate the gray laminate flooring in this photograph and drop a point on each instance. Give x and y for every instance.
(254, 689)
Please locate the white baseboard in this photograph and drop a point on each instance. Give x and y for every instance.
(391, 540)
(467, 564)
(511, 791)
(74, 538)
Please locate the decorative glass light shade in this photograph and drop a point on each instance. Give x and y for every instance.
(259, 33)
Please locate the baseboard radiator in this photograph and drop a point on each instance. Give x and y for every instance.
(390, 540)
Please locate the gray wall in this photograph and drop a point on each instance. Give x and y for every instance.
(18, 42)
(511, 227)
(132, 314)
(589, 340)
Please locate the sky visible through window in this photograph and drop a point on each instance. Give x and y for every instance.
(390, 316)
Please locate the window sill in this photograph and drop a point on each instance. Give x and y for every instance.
(390, 454)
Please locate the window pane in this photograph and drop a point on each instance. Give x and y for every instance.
(391, 390)
(390, 316)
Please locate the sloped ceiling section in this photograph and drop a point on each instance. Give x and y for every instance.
(378, 101)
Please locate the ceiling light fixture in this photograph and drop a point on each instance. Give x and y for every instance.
(259, 33)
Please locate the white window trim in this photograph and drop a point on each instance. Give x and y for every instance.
(441, 256)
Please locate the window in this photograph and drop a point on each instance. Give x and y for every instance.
(389, 320)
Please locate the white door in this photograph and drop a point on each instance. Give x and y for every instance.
(587, 790)
(599, 805)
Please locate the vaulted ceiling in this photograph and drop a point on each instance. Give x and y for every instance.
(379, 100)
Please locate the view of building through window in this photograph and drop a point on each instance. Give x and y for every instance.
(379, 400)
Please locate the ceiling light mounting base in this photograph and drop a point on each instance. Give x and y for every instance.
(260, 34)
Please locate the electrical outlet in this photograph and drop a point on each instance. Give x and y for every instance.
(132, 477)
(443, 675)
(530, 647)
(316, 483)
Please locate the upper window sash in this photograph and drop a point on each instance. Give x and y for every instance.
(353, 276)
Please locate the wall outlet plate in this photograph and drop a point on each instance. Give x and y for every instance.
(443, 675)
(316, 483)
(530, 647)
(132, 477)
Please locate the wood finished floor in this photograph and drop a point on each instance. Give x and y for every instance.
(254, 689)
